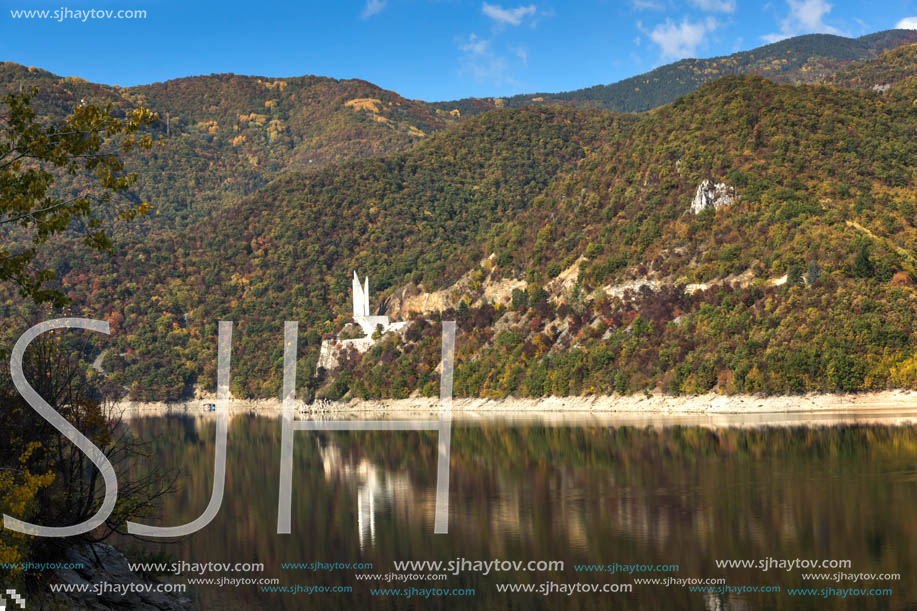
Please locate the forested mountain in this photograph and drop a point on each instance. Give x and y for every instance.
(719, 241)
(811, 58)
(570, 246)
(224, 136)
(285, 253)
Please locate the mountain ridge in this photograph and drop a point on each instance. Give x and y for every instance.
(813, 58)
(229, 135)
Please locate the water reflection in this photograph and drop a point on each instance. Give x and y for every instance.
(376, 489)
(537, 489)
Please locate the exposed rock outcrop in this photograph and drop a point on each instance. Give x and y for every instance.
(710, 194)
(476, 285)
(333, 350)
(564, 281)
(394, 304)
(412, 299)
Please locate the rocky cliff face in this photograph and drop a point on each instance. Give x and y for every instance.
(477, 285)
(712, 194)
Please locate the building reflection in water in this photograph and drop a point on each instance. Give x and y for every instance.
(376, 488)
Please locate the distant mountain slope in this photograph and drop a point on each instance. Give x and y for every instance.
(228, 135)
(887, 70)
(58, 94)
(803, 59)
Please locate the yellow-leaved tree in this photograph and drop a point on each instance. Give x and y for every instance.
(18, 489)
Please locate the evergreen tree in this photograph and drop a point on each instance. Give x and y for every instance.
(863, 266)
(794, 275)
(813, 273)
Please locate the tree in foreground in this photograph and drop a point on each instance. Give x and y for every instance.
(89, 142)
(42, 475)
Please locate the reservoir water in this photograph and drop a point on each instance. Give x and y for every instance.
(667, 498)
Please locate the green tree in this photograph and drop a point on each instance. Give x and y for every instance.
(813, 273)
(90, 142)
(794, 275)
(863, 266)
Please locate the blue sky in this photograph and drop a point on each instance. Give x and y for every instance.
(425, 49)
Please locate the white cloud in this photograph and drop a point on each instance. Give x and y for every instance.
(646, 5)
(488, 61)
(372, 7)
(510, 16)
(677, 41)
(715, 6)
(484, 65)
(908, 23)
(475, 45)
(805, 17)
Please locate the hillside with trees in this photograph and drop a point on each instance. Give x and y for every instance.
(286, 252)
(224, 136)
(754, 297)
(566, 242)
(888, 69)
(619, 285)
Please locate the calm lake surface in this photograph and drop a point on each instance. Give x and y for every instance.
(582, 490)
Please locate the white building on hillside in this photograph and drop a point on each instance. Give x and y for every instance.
(332, 349)
(361, 314)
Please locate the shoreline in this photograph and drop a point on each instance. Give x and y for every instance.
(655, 404)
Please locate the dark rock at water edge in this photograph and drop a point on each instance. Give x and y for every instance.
(104, 564)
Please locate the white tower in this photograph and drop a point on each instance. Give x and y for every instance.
(360, 297)
(361, 314)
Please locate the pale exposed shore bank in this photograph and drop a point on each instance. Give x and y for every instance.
(904, 401)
